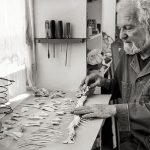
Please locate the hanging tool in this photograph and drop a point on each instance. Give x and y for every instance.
(53, 34)
(54, 50)
(66, 55)
(48, 51)
(60, 31)
(47, 31)
(68, 35)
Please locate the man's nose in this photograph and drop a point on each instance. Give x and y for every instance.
(123, 35)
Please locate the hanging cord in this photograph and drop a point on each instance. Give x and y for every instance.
(5, 109)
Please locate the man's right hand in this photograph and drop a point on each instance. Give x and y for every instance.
(92, 80)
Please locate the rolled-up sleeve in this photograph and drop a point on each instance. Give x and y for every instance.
(123, 117)
(140, 117)
(135, 118)
(135, 115)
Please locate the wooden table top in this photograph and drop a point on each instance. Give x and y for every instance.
(86, 134)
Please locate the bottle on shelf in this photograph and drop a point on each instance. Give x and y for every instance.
(90, 30)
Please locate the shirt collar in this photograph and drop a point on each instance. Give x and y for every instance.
(145, 55)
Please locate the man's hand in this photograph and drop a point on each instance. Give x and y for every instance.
(96, 111)
(92, 80)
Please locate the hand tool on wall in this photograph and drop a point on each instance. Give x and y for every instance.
(48, 51)
(53, 34)
(47, 32)
(60, 31)
(68, 35)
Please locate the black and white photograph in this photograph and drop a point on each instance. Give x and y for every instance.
(75, 75)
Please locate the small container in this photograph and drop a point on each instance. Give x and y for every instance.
(68, 30)
(60, 29)
(53, 29)
(95, 31)
(47, 28)
(99, 27)
(90, 30)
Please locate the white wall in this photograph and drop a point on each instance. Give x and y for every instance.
(52, 73)
(108, 17)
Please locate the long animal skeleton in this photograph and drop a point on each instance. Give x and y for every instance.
(76, 119)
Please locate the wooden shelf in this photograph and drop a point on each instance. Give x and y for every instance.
(70, 40)
(94, 36)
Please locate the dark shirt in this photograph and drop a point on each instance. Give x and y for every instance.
(142, 63)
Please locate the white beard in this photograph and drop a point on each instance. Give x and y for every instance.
(131, 50)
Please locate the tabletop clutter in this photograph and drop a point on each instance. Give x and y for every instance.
(43, 119)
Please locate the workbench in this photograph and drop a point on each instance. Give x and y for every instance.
(86, 134)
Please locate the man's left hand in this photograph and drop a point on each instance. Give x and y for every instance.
(96, 111)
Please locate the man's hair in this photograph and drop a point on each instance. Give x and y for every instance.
(142, 9)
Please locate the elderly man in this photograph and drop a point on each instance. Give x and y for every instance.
(131, 83)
